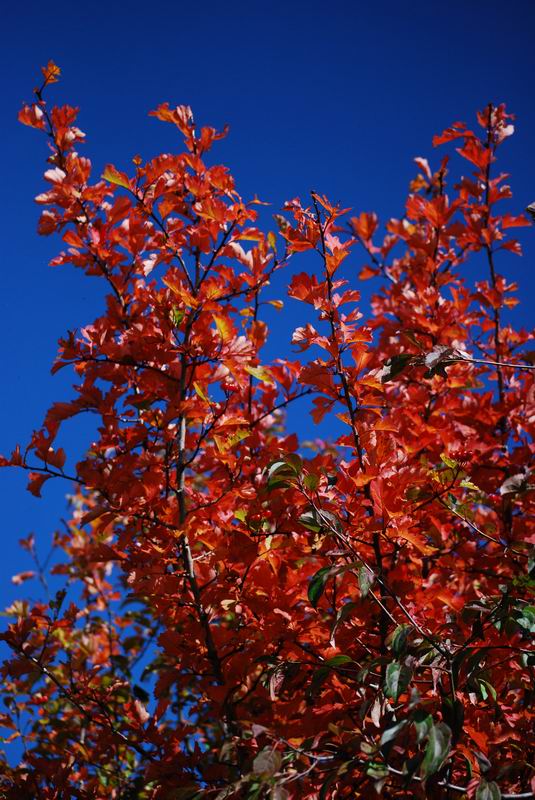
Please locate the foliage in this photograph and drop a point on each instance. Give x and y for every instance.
(245, 615)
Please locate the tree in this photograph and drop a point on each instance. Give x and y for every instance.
(244, 615)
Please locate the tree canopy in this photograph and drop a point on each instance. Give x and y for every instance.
(249, 615)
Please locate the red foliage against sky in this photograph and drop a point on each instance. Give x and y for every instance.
(245, 615)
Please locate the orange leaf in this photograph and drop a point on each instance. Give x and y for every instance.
(51, 72)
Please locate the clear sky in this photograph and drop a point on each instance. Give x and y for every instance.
(336, 96)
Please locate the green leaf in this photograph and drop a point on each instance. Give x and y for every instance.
(391, 733)
(467, 484)
(398, 677)
(280, 474)
(311, 481)
(449, 462)
(399, 639)
(423, 723)
(318, 679)
(527, 620)
(488, 791)
(317, 584)
(377, 770)
(330, 521)
(342, 615)
(275, 467)
(177, 315)
(316, 521)
(295, 462)
(337, 661)
(453, 716)
(486, 689)
(309, 520)
(366, 579)
(437, 750)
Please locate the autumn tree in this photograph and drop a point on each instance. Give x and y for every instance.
(244, 614)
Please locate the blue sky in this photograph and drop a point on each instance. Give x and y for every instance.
(337, 96)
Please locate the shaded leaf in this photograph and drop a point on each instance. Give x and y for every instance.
(267, 762)
(437, 750)
(366, 579)
(395, 365)
(488, 790)
(341, 615)
(399, 639)
(392, 732)
(397, 679)
(423, 722)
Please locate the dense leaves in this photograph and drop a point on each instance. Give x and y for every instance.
(243, 614)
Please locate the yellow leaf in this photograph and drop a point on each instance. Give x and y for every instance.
(224, 327)
(272, 241)
(278, 304)
(237, 437)
(113, 175)
(232, 440)
(213, 292)
(261, 373)
(200, 391)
